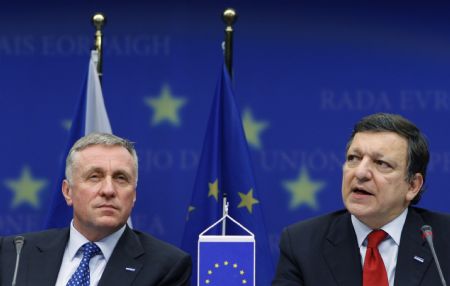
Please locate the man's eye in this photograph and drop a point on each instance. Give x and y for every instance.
(122, 178)
(382, 164)
(352, 158)
(94, 177)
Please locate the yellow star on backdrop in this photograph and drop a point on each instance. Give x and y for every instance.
(303, 190)
(214, 189)
(165, 107)
(190, 209)
(253, 128)
(247, 200)
(26, 189)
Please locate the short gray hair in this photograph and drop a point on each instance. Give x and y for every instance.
(93, 139)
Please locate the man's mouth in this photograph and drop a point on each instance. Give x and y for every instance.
(361, 191)
(107, 206)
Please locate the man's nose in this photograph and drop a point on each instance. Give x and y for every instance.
(108, 188)
(364, 170)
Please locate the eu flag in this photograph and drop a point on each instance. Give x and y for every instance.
(90, 116)
(226, 260)
(225, 167)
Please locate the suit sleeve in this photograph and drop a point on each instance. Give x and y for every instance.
(288, 270)
(180, 273)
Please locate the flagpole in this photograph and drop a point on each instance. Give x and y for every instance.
(229, 16)
(224, 214)
(99, 20)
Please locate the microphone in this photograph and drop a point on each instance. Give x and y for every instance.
(18, 243)
(427, 234)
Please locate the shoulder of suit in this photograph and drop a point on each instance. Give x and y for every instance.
(425, 213)
(319, 221)
(313, 230)
(151, 243)
(41, 239)
(437, 220)
(40, 235)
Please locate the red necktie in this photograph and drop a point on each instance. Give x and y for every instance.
(374, 272)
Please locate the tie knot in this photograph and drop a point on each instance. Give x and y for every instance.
(90, 250)
(375, 237)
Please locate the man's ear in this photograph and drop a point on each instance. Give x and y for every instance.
(415, 185)
(67, 192)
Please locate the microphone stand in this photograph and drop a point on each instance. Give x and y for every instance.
(427, 234)
(18, 242)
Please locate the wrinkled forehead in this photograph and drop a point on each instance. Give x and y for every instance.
(388, 143)
(104, 156)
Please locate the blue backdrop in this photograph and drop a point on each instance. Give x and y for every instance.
(303, 73)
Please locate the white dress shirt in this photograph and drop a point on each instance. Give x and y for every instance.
(388, 248)
(73, 255)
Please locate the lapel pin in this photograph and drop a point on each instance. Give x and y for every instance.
(420, 259)
(130, 269)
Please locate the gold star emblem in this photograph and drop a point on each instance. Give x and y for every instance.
(247, 200)
(253, 128)
(26, 189)
(190, 209)
(165, 107)
(303, 190)
(214, 189)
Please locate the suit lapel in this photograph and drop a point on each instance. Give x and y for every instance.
(414, 256)
(123, 265)
(45, 257)
(341, 252)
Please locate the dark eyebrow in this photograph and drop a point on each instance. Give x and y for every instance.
(377, 155)
(355, 150)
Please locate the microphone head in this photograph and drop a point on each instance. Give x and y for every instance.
(19, 241)
(426, 231)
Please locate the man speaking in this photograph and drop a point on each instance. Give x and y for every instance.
(377, 240)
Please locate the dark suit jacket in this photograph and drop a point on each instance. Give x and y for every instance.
(155, 262)
(323, 251)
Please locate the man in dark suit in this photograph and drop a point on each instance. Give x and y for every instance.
(98, 248)
(377, 240)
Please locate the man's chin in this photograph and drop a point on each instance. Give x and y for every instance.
(358, 210)
(108, 222)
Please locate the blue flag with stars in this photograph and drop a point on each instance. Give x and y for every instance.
(90, 116)
(226, 260)
(225, 167)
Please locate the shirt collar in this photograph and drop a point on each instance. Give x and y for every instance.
(106, 245)
(393, 228)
